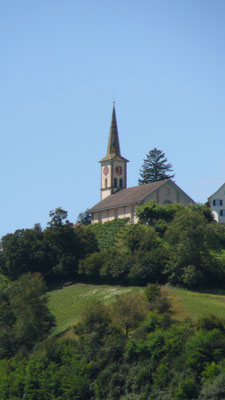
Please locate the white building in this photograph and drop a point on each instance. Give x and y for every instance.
(217, 204)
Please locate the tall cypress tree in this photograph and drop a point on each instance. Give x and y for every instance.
(155, 168)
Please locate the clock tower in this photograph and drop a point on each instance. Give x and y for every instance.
(113, 165)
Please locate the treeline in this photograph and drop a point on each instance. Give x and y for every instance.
(54, 252)
(129, 350)
(171, 243)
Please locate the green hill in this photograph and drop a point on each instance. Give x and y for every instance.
(68, 303)
(191, 304)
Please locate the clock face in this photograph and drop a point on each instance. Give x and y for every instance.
(118, 170)
(105, 171)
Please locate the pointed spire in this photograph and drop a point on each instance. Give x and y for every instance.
(113, 143)
(113, 149)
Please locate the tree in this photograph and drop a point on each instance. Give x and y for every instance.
(155, 168)
(63, 245)
(129, 311)
(95, 318)
(150, 213)
(88, 243)
(106, 233)
(54, 252)
(137, 238)
(28, 302)
(148, 266)
(204, 210)
(157, 300)
(152, 292)
(23, 251)
(190, 261)
(24, 315)
(99, 338)
(84, 218)
(7, 320)
(91, 265)
(58, 218)
(213, 388)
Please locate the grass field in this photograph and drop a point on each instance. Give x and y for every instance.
(67, 304)
(195, 304)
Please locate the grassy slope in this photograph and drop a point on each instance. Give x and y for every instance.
(67, 304)
(195, 304)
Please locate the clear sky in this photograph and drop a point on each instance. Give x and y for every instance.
(61, 64)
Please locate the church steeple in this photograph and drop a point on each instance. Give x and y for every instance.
(113, 149)
(113, 144)
(113, 165)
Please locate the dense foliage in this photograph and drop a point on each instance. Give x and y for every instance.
(54, 252)
(131, 349)
(171, 243)
(105, 233)
(24, 316)
(181, 245)
(156, 358)
(84, 218)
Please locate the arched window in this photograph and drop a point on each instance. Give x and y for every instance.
(121, 182)
(106, 182)
(115, 182)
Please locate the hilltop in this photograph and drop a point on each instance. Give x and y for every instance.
(82, 315)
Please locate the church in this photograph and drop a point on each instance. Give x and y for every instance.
(118, 201)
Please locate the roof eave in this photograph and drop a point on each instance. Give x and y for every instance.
(113, 158)
(115, 206)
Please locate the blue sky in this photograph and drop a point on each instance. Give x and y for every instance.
(61, 64)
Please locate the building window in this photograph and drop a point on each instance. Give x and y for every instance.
(121, 182)
(115, 182)
(106, 182)
(217, 202)
(222, 213)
